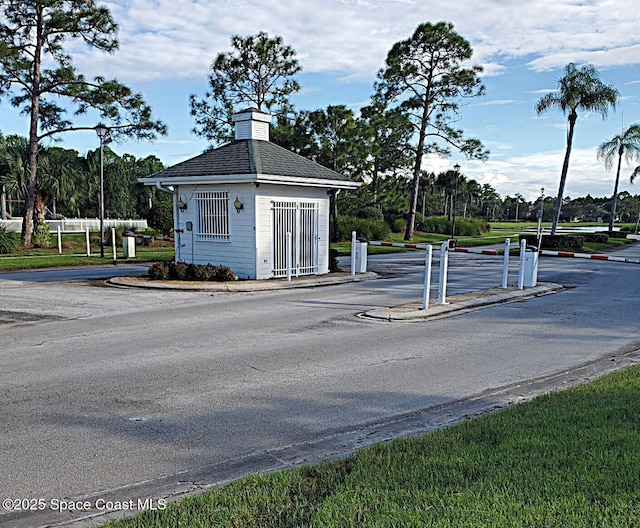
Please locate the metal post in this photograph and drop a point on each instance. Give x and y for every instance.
(59, 241)
(88, 242)
(101, 130)
(523, 248)
(353, 252)
(427, 276)
(288, 259)
(505, 270)
(540, 218)
(442, 280)
(113, 242)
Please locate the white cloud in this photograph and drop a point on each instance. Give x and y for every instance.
(170, 39)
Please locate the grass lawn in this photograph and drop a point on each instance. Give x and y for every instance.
(74, 253)
(567, 459)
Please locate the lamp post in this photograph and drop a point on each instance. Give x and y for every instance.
(456, 169)
(540, 218)
(101, 130)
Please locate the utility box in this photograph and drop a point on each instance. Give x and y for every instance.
(129, 244)
(530, 266)
(361, 257)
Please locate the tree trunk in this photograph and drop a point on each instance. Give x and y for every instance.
(565, 169)
(415, 184)
(27, 221)
(614, 198)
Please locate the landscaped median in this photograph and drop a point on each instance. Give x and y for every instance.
(565, 459)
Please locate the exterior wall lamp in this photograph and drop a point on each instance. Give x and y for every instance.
(239, 206)
(182, 205)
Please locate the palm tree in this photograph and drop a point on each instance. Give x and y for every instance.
(579, 89)
(627, 143)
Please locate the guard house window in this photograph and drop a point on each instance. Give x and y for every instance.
(213, 216)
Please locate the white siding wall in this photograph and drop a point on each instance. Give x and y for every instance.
(248, 253)
(239, 252)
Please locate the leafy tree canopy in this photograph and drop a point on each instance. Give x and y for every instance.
(39, 77)
(258, 72)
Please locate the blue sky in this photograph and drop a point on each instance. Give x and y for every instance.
(166, 48)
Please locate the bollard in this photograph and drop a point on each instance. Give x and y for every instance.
(444, 263)
(427, 276)
(113, 242)
(353, 252)
(505, 271)
(59, 241)
(88, 243)
(288, 249)
(523, 247)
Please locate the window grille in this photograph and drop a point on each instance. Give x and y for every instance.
(213, 216)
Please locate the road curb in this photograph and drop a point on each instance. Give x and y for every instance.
(414, 311)
(241, 286)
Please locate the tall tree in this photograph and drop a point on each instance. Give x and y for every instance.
(626, 144)
(391, 132)
(341, 143)
(257, 71)
(580, 88)
(424, 76)
(40, 76)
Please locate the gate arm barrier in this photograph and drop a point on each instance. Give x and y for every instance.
(587, 256)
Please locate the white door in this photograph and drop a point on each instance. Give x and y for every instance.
(301, 220)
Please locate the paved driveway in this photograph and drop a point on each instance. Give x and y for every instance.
(103, 388)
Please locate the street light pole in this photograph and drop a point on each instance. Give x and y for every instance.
(456, 169)
(101, 130)
(540, 218)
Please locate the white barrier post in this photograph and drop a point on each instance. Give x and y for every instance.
(427, 276)
(523, 247)
(505, 271)
(113, 242)
(353, 252)
(288, 259)
(444, 263)
(59, 241)
(88, 242)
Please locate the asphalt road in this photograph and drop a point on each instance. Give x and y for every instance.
(105, 387)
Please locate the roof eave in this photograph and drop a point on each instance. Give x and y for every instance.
(228, 179)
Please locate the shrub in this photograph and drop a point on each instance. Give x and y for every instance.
(399, 225)
(617, 234)
(333, 260)
(560, 242)
(371, 213)
(8, 240)
(41, 236)
(160, 217)
(178, 270)
(599, 238)
(195, 272)
(369, 229)
(159, 271)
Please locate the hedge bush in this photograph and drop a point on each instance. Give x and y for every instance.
(8, 240)
(560, 242)
(599, 238)
(442, 225)
(364, 228)
(166, 270)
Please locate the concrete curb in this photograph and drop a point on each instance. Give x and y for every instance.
(242, 286)
(414, 311)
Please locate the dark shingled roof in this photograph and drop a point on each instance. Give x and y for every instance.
(250, 156)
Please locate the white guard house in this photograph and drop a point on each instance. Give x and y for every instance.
(234, 205)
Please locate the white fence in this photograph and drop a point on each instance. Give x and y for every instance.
(77, 225)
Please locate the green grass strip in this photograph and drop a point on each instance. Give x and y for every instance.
(567, 459)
